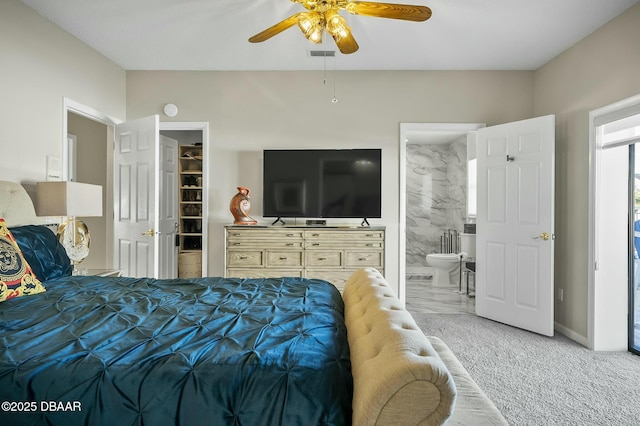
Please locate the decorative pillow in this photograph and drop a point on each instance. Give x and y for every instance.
(16, 277)
(42, 250)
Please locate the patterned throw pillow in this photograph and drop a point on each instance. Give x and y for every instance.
(16, 277)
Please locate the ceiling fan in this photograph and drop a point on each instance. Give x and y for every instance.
(324, 14)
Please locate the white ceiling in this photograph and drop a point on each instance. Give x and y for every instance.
(212, 34)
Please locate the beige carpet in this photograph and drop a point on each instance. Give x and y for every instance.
(537, 380)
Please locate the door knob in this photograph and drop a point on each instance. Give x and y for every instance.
(150, 232)
(544, 236)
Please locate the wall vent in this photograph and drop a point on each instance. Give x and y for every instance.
(322, 53)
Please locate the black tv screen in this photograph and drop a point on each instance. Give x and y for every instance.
(322, 183)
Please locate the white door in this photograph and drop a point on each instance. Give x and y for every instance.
(137, 182)
(168, 211)
(515, 224)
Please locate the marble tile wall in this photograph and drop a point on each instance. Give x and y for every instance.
(436, 195)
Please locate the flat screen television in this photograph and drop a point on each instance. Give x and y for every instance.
(322, 183)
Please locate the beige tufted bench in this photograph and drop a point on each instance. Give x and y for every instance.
(400, 376)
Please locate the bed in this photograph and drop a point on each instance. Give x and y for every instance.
(117, 350)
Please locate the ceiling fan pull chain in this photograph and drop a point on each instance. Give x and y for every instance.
(324, 62)
(334, 99)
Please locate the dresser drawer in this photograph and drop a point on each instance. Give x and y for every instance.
(264, 234)
(245, 258)
(338, 244)
(344, 235)
(262, 273)
(317, 258)
(361, 259)
(271, 244)
(264, 239)
(337, 278)
(284, 258)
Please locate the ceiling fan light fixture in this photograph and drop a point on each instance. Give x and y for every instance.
(323, 15)
(312, 25)
(337, 25)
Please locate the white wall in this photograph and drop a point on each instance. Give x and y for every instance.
(252, 111)
(40, 65)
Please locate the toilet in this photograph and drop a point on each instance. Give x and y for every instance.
(446, 266)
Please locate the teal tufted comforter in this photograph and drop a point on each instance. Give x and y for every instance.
(210, 351)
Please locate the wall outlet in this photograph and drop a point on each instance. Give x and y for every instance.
(561, 294)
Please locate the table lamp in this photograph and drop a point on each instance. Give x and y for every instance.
(70, 199)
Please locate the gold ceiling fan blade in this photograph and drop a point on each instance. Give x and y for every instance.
(406, 12)
(347, 44)
(276, 29)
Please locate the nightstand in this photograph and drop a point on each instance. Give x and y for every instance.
(100, 272)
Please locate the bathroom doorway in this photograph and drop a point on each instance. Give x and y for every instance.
(428, 205)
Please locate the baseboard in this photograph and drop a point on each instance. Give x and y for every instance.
(571, 334)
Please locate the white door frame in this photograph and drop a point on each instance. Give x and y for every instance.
(202, 126)
(69, 105)
(602, 313)
(407, 132)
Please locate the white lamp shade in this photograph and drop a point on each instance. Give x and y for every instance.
(68, 199)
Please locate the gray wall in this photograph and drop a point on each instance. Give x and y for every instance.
(41, 64)
(600, 70)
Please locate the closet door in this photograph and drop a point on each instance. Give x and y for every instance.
(139, 232)
(168, 208)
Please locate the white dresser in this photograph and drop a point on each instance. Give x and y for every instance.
(329, 253)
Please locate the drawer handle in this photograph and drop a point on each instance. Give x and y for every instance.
(362, 258)
(237, 244)
(322, 258)
(289, 244)
(315, 244)
(283, 258)
(369, 245)
(291, 235)
(370, 235)
(315, 235)
(243, 257)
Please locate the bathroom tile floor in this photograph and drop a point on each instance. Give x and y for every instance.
(423, 296)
